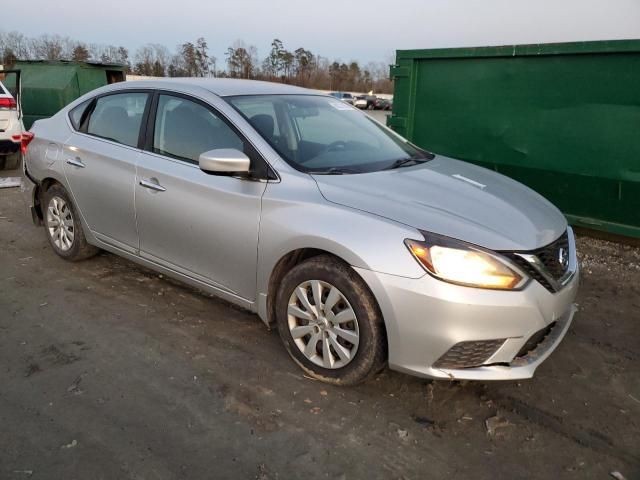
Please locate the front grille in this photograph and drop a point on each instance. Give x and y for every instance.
(554, 257)
(532, 271)
(468, 354)
(535, 340)
(551, 258)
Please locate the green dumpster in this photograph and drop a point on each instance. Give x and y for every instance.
(562, 118)
(49, 86)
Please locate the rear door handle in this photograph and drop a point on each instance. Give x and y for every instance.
(76, 162)
(152, 185)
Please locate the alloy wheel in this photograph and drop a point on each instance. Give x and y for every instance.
(60, 223)
(323, 324)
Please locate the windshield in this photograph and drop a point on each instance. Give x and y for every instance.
(318, 134)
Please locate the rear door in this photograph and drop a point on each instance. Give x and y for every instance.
(100, 164)
(201, 225)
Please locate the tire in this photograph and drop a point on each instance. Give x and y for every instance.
(329, 331)
(68, 241)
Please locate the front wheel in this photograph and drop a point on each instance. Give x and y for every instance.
(330, 322)
(63, 227)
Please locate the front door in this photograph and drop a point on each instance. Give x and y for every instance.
(202, 225)
(100, 165)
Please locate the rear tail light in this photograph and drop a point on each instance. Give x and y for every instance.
(26, 139)
(9, 103)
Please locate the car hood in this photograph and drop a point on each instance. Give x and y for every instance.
(452, 198)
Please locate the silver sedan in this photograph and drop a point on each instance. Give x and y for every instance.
(362, 248)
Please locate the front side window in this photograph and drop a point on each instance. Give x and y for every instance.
(319, 134)
(118, 117)
(185, 129)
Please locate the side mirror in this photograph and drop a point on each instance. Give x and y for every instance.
(224, 160)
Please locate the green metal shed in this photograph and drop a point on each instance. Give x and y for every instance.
(48, 86)
(562, 118)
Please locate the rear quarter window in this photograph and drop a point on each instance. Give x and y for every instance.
(76, 113)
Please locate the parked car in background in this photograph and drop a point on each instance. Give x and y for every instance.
(360, 103)
(454, 272)
(10, 131)
(365, 102)
(344, 96)
(382, 104)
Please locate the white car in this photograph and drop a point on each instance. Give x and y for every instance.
(10, 131)
(361, 103)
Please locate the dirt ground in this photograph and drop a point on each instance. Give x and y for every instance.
(108, 371)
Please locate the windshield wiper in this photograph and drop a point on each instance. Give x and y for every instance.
(334, 171)
(406, 161)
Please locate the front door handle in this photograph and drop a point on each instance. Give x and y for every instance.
(152, 185)
(76, 162)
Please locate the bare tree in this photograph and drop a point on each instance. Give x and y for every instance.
(299, 66)
(18, 44)
(242, 60)
(144, 60)
(47, 47)
(152, 60)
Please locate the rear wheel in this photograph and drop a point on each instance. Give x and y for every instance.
(330, 323)
(63, 227)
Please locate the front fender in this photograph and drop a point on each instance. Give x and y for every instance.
(297, 218)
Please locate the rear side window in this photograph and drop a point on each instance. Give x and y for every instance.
(185, 129)
(75, 115)
(118, 117)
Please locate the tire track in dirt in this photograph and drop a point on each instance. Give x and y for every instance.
(586, 437)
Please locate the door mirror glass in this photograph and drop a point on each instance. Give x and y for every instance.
(224, 160)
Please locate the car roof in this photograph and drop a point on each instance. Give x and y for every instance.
(225, 87)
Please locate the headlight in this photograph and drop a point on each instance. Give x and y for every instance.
(463, 264)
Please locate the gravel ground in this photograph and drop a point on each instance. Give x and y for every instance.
(109, 371)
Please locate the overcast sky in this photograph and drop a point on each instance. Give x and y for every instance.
(361, 30)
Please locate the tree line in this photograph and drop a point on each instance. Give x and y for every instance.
(192, 59)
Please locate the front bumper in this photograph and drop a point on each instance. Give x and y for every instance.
(425, 318)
